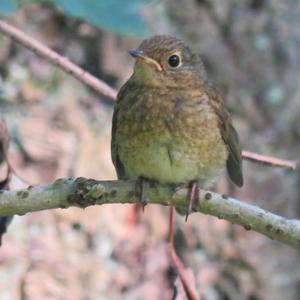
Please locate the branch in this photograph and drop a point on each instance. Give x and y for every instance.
(83, 192)
(188, 286)
(269, 160)
(53, 57)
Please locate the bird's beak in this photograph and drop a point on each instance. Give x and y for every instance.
(141, 55)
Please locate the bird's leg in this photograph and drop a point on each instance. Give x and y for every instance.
(193, 196)
(140, 191)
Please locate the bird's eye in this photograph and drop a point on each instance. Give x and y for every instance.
(174, 60)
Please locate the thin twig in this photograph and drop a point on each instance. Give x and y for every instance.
(53, 57)
(269, 160)
(188, 286)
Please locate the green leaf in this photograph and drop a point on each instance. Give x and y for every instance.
(7, 7)
(119, 16)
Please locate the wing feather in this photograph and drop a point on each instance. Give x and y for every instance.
(114, 143)
(229, 136)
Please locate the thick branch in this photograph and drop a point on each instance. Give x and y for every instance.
(83, 192)
(53, 57)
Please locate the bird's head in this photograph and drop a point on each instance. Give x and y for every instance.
(166, 60)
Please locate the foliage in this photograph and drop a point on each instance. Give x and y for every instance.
(7, 7)
(127, 14)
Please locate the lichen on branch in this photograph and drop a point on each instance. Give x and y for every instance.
(82, 192)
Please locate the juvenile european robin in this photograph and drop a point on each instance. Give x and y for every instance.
(169, 124)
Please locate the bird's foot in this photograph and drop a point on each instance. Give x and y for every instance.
(179, 186)
(193, 196)
(140, 191)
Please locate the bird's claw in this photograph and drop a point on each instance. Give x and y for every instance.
(193, 196)
(140, 192)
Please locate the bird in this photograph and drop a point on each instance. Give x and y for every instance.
(170, 124)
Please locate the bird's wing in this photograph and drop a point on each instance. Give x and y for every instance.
(114, 144)
(229, 136)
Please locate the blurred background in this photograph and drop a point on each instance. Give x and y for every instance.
(60, 128)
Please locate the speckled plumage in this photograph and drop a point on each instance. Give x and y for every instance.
(172, 126)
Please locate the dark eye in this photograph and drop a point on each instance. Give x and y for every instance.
(174, 60)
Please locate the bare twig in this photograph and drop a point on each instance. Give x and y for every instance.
(269, 160)
(188, 286)
(83, 192)
(53, 57)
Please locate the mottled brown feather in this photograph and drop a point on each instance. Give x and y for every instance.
(229, 135)
(168, 101)
(114, 145)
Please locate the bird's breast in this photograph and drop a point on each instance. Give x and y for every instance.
(170, 136)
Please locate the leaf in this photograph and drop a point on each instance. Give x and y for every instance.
(113, 15)
(7, 7)
(119, 16)
(10, 6)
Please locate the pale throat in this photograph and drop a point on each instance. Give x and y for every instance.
(144, 73)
